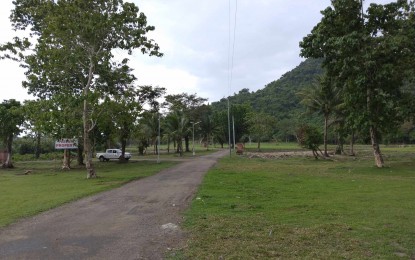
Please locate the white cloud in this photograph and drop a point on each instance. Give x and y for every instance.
(194, 35)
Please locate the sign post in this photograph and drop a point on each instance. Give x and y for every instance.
(66, 143)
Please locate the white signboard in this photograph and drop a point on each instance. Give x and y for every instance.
(66, 144)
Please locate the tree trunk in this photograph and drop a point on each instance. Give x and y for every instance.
(123, 145)
(208, 141)
(9, 144)
(90, 170)
(326, 123)
(66, 160)
(373, 131)
(168, 144)
(37, 152)
(376, 149)
(80, 151)
(340, 144)
(259, 146)
(154, 141)
(352, 145)
(186, 141)
(180, 147)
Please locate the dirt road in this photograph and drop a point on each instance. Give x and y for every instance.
(137, 221)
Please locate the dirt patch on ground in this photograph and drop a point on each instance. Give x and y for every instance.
(278, 155)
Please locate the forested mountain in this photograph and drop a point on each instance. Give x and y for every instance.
(279, 97)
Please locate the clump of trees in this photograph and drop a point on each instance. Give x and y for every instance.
(367, 57)
(11, 118)
(69, 57)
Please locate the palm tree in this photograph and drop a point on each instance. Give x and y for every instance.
(150, 123)
(178, 126)
(322, 98)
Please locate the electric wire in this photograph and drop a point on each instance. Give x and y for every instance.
(230, 66)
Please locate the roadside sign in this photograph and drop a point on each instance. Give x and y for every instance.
(66, 143)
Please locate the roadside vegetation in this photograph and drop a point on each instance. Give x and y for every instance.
(45, 185)
(301, 208)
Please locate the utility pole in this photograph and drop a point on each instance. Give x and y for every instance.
(158, 146)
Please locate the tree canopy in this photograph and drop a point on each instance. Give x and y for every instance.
(73, 51)
(367, 54)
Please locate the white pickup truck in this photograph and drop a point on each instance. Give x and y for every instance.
(112, 154)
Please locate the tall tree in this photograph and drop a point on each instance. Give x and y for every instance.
(187, 104)
(74, 47)
(11, 118)
(367, 54)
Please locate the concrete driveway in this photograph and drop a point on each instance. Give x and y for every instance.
(140, 220)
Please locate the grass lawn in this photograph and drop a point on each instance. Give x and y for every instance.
(301, 208)
(48, 186)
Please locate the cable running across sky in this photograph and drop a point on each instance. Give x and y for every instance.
(231, 47)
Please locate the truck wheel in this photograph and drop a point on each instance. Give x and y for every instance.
(127, 159)
(101, 158)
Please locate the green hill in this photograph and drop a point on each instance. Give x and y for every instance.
(279, 98)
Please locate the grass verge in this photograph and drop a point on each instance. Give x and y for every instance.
(47, 186)
(300, 208)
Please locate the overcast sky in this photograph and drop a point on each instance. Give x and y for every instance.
(194, 37)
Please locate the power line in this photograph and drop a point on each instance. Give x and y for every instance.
(230, 66)
(231, 53)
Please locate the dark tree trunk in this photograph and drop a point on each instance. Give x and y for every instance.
(326, 126)
(186, 141)
(352, 145)
(180, 147)
(37, 152)
(80, 157)
(340, 144)
(123, 145)
(168, 144)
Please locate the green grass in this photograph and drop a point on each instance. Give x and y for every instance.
(48, 186)
(300, 208)
(269, 147)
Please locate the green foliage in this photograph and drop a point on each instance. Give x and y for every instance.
(28, 145)
(11, 119)
(73, 52)
(261, 126)
(368, 55)
(279, 98)
(310, 137)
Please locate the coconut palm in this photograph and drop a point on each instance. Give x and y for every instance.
(322, 97)
(178, 126)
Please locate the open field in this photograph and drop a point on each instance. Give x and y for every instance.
(47, 186)
(301, 208)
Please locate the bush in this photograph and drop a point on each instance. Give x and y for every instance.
(310, 137)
